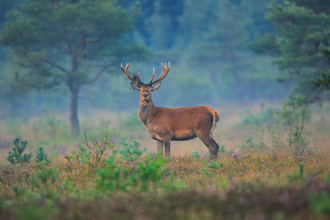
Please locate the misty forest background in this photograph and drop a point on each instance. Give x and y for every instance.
(71, 143)
(222, 52)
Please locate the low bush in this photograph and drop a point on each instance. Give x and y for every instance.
(17, 155)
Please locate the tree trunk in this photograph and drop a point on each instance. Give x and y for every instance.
(237, 80)
(74, 113)
(74, 88)
(237, 83)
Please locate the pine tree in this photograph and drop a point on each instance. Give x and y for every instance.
(324, 79)
(301, 27)
(70, 42)
(17, 156)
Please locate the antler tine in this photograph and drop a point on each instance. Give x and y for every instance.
(153, 75)
(162, 75)
(126, 71)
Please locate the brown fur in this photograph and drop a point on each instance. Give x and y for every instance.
(177, 124)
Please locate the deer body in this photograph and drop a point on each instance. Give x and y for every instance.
(165, 124)
(177, 124)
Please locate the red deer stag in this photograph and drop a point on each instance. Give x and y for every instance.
(177, 124)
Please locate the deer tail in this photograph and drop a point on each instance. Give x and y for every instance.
(216, 118)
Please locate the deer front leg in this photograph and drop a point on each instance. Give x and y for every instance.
(160, 146)
(168, 148)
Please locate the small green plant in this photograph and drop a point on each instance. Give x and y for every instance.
(206, 172)
(17, 156)
(130, 152)
(275, 133)
(42, 182)
(43, 189)
(195, 154)
(151, 172)
(297, 175)
(44, 177)
(222, 150)
(148, 177)
(94, 152)
(41, 156)
(33, 210)
(320, 204)
(249, 144)
(113, 178)
(295, 116)
(257, 120)
(19, 191)
(212, 166)
(172, 185)
(291, 118)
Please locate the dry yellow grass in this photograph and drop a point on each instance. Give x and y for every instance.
(229, 131)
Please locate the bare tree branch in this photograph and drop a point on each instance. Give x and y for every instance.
(57, 66)
(92, 41)
(104, 68)
(63, 49)
(84, 43)
(317, 96)
(67, 41)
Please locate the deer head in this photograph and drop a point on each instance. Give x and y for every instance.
(146, 89)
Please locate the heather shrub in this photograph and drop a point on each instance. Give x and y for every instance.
(93, 153)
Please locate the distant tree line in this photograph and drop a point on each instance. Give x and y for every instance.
(220, 51)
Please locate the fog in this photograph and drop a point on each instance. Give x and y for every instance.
(206, 44)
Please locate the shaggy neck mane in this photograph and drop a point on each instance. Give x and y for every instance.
(146, 111)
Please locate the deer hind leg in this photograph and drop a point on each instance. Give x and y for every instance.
(216, 149)
(160, 146)
(210, 144)
(168, 148)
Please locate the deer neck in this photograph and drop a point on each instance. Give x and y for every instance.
(146, 111)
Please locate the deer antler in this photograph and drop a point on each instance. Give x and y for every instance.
(162, 75)
(135, 79)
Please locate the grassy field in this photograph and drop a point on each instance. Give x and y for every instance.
(265, 170)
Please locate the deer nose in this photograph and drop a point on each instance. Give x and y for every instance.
(145, 95)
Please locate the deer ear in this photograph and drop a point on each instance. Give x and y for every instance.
(156, 86)
(135, 86)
